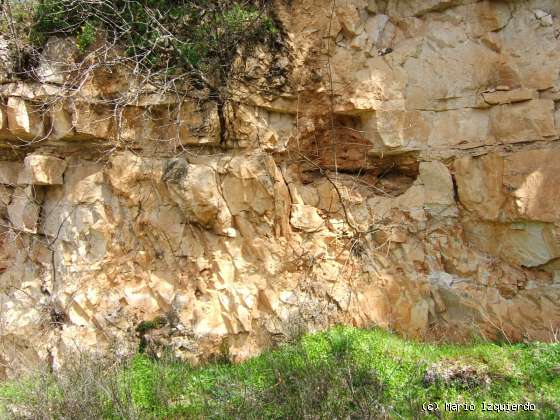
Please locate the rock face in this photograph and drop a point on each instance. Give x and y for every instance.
(404, 172)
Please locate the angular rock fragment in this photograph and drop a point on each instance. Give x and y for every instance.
(42, 170)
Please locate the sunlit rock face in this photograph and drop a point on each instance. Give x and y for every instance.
(396, 164)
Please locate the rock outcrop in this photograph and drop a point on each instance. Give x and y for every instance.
(402, 171)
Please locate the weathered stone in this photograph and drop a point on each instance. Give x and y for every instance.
(195, 189)
(24, 119)
(61, 120)
(526, 244)
(480, 185)
(509, 96)
(533, 178)
(3, 121)
(349, 17)
(91, 120)
(438, 187)
(24, 209)
(57, 61)
(524, 121)
(42, 170)
(9, 172)
(411, 183)
(306, 218)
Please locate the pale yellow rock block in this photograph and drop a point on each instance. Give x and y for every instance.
(420, 7)
(24, 210)
(480, 185)
(3, 120)
(524, 121)
(348, 16)
(9, 172)
(5, 196)
(534, 178)
(84, 183)
(61, 120)
(404, 129)
(306, 218)
(163, 286)
(438, 188)
(24, 119)
(197, 194)
(461, 128)
(91, 120)
(42, 170)
(528, 244)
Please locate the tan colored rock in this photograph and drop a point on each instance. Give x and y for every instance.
(61, 120)
(533, 178)
(524, 121)
(243, 242)
(480, 185)
(24, 209)
(5, 195)
(526, 244)
(91, 120)
(438, 188)
(375, 27)
(24, 119)
(464, 128)
(531, 48)
(372, 6)
(500, 97)
(3, 121)
(57, 60)
(349, 18)
(42, 170)
(306, 218)
(195, 189)
(259, 128)
(404, 129)
(9, 172)
(420, 7)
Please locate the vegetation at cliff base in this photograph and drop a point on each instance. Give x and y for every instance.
(342, 373)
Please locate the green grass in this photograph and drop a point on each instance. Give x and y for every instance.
(342, 373)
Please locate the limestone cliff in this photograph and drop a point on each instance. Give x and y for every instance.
(397, 164)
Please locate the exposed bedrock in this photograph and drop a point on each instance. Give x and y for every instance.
(404, 172)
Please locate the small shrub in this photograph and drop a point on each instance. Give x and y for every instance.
(157, 33)
(145, 326)
(87, 36)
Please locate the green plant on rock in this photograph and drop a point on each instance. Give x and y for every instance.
(198, 34)
(145, 326)
(87, 36)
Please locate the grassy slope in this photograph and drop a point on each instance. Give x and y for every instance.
(343, 372)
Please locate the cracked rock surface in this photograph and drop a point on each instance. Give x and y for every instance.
(406, 173)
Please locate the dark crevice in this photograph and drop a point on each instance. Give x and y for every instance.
(222, 121)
